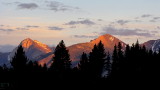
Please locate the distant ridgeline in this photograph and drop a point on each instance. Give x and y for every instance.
(103, 62)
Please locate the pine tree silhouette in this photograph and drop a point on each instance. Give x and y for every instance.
(119, 51)
(108, 64)
(83, 67)
(30, 66)
(36, 67)
(1, 69)
(83, 62)
(114, 63)
(96, 61)
(44, 68)
(19, 61)
(61, 61)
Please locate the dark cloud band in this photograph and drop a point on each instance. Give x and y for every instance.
(27, 6)
(84, 36)
(122, 22)
(57, 6)
(85, 22)
(126, 32)
(55, 28)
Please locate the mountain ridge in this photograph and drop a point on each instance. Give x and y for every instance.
(37, 51)
(154, 45)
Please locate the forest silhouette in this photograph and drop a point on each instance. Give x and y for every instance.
(133, 66)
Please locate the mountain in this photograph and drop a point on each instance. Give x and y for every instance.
(4, 58)
(6, 48)
(109, 42)
(154, 45)
(35, 50)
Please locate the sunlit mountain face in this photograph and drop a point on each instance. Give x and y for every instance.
(109, 42)
(35, 50)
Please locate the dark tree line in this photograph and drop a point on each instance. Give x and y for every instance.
(135, 63)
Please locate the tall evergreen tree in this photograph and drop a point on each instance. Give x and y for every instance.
(121, 61)
(115, 55)
(137, 46)
(61, 60)
(19, 60)
(44, 68)
(108, 64)
(30, 66)
(120, 52)
(83, 62)
(127, 52)
(114, 63)
(96, 60)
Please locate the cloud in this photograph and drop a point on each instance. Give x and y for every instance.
(7, 30)
(81, 18)
(55, 28)
(10, 30)
(73, 27)
(29, 26)
(49, 5)
(152, 20)
(84, 22)
(156, 18)
(12, 3)
(146, 15)
(158, 27)
(154, 31)
(57, 6)
(22, 29)
(99, 19)
(122, 22)
(126, 32)
(137, 20)
(1, 25)
(85, 36)
(27, 6)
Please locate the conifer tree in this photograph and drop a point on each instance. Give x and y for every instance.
(19, 61)
(61, 60)
(96, 60)
(108, 64)
(114, 63)
(30, 66)
(83, 62)
(120, 52)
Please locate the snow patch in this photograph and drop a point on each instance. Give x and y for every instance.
(154, 45)
(111, 38)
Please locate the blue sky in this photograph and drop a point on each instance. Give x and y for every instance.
(75, 21)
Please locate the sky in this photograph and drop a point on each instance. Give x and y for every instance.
(77, 21)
